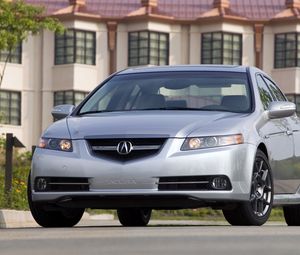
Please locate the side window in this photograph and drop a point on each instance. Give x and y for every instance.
(275, 90)
(264, 92)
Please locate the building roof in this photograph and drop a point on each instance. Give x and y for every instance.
(176, 9)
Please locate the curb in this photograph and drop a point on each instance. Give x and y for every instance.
(16, 219)
(102, 217)
(24, 219)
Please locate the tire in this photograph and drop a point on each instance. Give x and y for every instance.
(257, 210)
(59, 217)
(292, 215)
(134, 217)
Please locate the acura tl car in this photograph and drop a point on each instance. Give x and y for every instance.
(171, 137)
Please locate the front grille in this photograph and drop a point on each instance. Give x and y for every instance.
(188, 183)
(139, 147)
(57, 184)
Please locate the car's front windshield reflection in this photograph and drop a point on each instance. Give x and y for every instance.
(210, 91)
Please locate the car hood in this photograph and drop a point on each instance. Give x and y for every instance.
(154, 124)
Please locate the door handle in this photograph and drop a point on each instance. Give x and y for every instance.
(289, 132)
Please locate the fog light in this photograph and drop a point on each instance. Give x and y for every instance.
(220, 183)
(41, 184)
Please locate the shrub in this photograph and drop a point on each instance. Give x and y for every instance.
(21, 168)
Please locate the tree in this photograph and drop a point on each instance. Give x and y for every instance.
(18, 21)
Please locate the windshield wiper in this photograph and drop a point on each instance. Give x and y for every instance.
(187, 109)
(168, 108)
(146, 109)
(157, 109)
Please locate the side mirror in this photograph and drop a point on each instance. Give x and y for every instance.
(61, 111)
(281, 109)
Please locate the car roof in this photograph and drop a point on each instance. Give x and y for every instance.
(185, 68)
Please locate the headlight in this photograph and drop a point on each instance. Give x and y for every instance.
(56, 144)
(195, 143)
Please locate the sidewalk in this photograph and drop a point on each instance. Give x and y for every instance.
(23, 219)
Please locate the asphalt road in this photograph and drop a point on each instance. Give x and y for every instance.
(174, 238)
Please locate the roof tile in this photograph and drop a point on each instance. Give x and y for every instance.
(179, 9)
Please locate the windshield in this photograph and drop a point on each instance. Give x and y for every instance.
(207, 91)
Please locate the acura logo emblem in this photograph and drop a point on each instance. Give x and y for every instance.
(124, 147)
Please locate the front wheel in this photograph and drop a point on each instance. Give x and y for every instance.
(57, 217)
(257, 210)
(134, 217)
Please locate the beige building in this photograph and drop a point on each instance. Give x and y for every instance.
(105, 36)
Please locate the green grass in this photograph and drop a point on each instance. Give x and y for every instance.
(204, 214)
(18, 198)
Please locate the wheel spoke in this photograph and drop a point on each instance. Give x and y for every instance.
(266, 202)
(265, 174)
(255, 176)
(260, 206)
(252, 198)
(268, 188)
(260, 166)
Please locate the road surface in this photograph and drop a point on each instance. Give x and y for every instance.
(168, 237)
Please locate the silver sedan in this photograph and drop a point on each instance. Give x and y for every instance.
(170, 138)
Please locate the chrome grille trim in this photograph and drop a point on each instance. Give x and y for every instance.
(68, 183)
(104, 148)
(146, 147)
(199, 182)
(134, 148)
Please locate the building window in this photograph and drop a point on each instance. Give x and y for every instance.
(10, 107)
(75, 46)
(12, 56)
(221, 48)
(69, 97)
(287, 50)
(148, 48)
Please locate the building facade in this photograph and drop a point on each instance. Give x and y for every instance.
(105, 36)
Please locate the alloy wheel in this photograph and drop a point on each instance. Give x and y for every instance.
(261, 189)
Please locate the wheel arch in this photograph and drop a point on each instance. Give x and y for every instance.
(264, 149)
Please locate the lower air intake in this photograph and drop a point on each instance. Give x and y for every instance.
(194, 183)
(57, 184)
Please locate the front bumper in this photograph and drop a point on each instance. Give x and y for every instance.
(114, 184)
